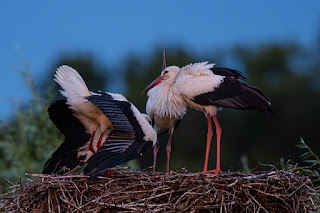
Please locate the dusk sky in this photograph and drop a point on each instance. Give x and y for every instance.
(37, 32)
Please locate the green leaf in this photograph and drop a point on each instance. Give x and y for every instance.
(312, 161)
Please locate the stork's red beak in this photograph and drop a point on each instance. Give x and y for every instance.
(153, 84)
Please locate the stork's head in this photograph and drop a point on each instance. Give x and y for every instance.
(168, 76)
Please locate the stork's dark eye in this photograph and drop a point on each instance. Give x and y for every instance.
(165, 72)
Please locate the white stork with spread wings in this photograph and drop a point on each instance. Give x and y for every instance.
(101, 129)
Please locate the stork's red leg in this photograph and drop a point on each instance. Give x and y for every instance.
(155, 152)
(99, 141)
(90, 144)
(169, 149)
(218, 131)
(209, 137)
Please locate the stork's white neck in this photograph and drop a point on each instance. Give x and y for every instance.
(165, 100)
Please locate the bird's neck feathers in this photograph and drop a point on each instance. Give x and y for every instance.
(165, 100)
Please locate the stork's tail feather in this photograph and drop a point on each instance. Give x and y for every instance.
(74, 87)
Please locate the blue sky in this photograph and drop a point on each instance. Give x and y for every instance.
(37, 32)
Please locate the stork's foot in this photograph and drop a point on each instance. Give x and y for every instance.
(215, 171)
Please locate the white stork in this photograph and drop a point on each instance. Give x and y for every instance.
(101, 129)
(162, 120)
(205, 88)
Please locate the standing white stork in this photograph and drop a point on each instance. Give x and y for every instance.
(103, 129)
(206, 88)
(163, 121)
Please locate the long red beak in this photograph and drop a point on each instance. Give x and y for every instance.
(154, 83)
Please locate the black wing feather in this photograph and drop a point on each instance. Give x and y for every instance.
(234, 94)
(228, 72)
(119, 113)
(106, 158)
(123, 144)
(62, 116)
(75, 137)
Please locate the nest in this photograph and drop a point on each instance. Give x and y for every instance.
(182, 191)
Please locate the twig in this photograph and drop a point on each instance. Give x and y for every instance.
(8, 181)
(72, 170)
(57, 176)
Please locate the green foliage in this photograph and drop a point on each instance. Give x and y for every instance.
(311, 160)
(308, 154)
(28, 139)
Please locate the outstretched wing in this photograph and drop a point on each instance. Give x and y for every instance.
(75, 137)
(126, 142)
